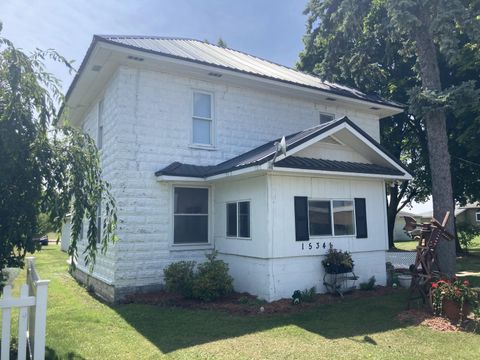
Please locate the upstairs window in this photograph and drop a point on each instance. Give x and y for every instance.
(100, 125)
(238, 219)
(324, 118)
(202, 119)
(190, 215)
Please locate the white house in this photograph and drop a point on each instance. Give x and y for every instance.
(187, 133)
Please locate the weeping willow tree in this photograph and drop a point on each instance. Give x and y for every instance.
(45, 167)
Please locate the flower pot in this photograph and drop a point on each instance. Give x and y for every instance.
(405, 280)
(451, 310)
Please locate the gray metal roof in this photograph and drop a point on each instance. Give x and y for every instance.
(266, 152)
(213, 55)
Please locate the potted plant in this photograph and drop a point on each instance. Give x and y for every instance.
(453, 299)
(337, 261)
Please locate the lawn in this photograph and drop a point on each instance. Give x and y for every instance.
(467, 266)
(81, 327)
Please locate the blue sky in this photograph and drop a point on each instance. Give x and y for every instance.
(272, 29)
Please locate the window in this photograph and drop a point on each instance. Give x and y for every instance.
(477, 214)
(324, 118)
(190, 215)
(100, 125)
(323, 213)
(238, 219)
(320, 218)
(329, 218)
(202, 119)
(343, 218)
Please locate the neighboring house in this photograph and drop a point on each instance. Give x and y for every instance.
(187, 133)
(398, 233)
(468, 215)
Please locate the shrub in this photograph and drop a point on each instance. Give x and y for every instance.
(307, 295)
(369, 285)
(179, 277)
(466, 233)
(212, 280)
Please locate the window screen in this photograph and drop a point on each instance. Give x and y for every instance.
(190, 215)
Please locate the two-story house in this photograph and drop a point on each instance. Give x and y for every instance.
(188, 134)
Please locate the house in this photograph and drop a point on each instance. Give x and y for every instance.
(189, 135)
(399, 234)
(468, 215)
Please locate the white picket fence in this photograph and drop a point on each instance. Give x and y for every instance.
(32, 319)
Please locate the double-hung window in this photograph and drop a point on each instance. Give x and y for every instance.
(238, 219)
(202, 133)
(190, 215)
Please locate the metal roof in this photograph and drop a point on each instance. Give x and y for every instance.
(266, 152)
(225, 58)
(295, 162)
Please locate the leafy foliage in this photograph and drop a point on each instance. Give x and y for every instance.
(466, 234)
(369, 285)
(337, 261)
(179, 277)
(44, 168)
(212, 280)
(370, 45)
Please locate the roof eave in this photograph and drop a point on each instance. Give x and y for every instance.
(97, 39)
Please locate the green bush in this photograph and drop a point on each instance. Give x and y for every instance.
(212, 280)
(466, 233)
(179, 278)
(369, 285)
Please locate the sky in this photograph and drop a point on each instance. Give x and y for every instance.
(270, 29)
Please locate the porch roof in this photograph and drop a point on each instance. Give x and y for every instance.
(266, 152)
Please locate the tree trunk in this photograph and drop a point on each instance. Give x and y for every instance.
(392, 211)
(435, 123)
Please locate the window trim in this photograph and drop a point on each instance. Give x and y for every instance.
(331, 218)
(237, 202)
(190, 246)
(320, 113)
(193, 144)
(477, 215)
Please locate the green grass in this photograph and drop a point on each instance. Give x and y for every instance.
(81, 327)
(406, 245)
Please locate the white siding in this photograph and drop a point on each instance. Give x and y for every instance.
(147, 125)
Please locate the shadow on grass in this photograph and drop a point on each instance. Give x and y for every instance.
(172, 329)
(50, 354)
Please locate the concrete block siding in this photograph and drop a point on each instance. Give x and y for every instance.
(147, 125)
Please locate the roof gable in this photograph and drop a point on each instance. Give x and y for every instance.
(265, 155)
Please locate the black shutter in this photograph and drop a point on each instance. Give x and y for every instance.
(361, 218)
(301, 218)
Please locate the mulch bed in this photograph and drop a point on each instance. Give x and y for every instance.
(437, 323)
(246, 304)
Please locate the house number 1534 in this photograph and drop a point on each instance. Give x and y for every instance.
(311, 246)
